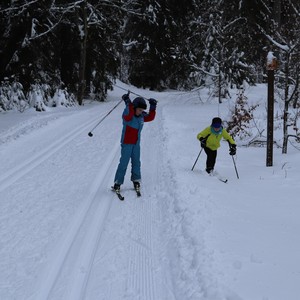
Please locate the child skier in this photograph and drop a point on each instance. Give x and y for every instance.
(134, 116)
(210, 139)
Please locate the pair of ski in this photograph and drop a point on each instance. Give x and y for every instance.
(121, 197)
(219, 177)
(225, 180)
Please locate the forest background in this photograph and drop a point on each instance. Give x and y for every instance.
(57, 53)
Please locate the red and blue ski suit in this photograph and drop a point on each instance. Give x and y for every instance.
(130, 142)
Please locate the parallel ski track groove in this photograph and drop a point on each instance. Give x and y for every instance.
(28, 165)
(141, 281)
(83, 265)
(95, 219)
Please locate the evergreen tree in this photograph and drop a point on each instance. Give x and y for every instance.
(43, 42)
(27, 55)
(179, 60)
(220, 39)
(142, 36)
(155, 43)
(83, 45)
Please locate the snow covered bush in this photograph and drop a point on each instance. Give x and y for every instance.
(37, 97)
(40, 97)
(63, 98)
(4, 98)
(12, 96)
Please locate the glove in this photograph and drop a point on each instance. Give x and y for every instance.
(203, 142)
(153, 104)
(126, 99)
(232, 149)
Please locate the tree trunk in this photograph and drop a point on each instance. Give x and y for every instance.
(297, 88)
(277, 12)
(82, 83)
(286, 106)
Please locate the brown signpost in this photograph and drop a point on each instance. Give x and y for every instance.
(271, 67)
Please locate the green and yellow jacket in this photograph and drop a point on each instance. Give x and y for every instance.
(214, 137)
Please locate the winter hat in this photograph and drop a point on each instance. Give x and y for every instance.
(139, 102)
(216, 122)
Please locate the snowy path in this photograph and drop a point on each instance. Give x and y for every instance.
(58, 148)
(132, 238)
(71, 273)
(65, 253)
(65, 235)
(10, 177)
(74, 254)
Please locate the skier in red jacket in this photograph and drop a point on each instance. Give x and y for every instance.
(134, 116)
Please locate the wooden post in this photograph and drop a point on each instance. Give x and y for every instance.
(271, 66)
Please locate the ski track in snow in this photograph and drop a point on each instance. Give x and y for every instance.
(113, 249)
(73, 259)
(26, 127)
(68, 237)
(94, 219)
(94, 212)
(137, 243)
(146, 277)
(71, 269)
(11, 176)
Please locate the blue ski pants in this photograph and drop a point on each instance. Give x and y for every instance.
(129, 151)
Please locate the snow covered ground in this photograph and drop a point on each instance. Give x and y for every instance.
(65, 235)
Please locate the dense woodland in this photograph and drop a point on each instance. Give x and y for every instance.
(77, 48)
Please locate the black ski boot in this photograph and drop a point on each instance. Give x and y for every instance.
(137, 187)
(116, 189)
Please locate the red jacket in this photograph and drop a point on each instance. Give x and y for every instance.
(133, 125)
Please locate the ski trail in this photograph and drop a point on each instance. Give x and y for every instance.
(146, 278)
(10, 177)
(141, 265)
(129, 263)
(86, 255)
(113, 249)
(83, 259)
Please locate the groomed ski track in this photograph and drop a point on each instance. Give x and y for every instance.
(66, 235)
(105, 247)
(106, 232)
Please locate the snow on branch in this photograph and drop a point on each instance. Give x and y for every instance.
(21, 7)
(283, 47)
(204, 71)
(230, 24)
(294, 8)
(266, 7)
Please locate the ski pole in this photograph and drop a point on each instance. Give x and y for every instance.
(197, 159)
(237, 175)
(131, 92)
(90, 133)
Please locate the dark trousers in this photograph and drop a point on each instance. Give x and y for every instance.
(211, 159)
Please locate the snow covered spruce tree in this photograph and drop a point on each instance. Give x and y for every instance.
(180, 14)
(94, 27)
(31, 50)
(23, 56)
(27, 56)
(90, 37)
(12, 96)
(221, 40)
(155, 49)
(143, 44)
(61, 43)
